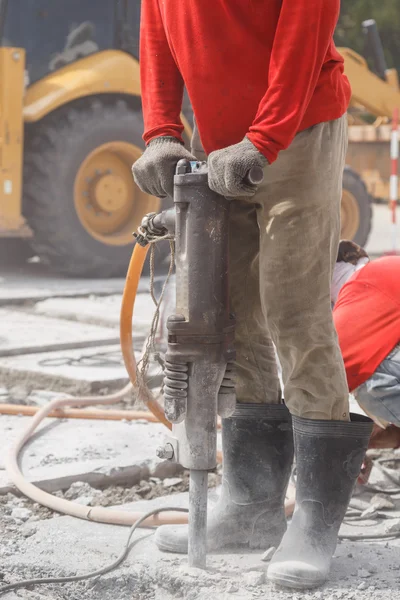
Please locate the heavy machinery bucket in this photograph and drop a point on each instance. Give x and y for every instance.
(12, 69)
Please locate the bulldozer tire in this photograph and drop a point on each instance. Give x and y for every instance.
(80, 199)
(356, 208)
(14, 252)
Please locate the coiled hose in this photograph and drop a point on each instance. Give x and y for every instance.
(98, 513)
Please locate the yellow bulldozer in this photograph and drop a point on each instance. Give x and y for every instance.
(71, 125)
(70, 130)
(375, 96)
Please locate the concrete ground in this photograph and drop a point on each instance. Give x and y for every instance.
(65, 546)
(58, 335)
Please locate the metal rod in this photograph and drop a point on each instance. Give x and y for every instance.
(198, 490)
(394, 179)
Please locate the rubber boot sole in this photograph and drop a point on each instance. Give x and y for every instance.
(260, 540)
(302, 581)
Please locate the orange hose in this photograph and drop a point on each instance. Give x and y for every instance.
(79, 413)
(95, 414)
(128, 302)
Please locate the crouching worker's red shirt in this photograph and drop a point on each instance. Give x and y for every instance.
(367, 318)
(262, 68)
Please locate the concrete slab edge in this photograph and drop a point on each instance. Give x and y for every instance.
(33, 379)
(59, 346)
(123, 476)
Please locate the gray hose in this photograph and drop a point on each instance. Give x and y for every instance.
(28, 582)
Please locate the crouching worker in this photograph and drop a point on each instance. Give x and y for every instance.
(366, 297)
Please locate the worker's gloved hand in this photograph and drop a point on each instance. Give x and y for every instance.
(227, 169)
(154, 170)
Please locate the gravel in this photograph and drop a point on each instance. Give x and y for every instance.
(367, 571)
(268, 554)
(18, 514)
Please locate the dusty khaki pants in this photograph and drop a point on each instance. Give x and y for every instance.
(283, 246)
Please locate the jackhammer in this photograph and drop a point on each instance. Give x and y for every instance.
(198, 373)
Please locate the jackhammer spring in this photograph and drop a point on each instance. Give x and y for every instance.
(227, 394)
(228, 381)
(175, 391)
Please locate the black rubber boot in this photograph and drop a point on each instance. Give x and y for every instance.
(329, 456)
(257, 444)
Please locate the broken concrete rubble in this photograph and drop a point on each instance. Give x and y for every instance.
(99, 452)
(36, 542)
(268, 554)
(382, 501)
(57, 545)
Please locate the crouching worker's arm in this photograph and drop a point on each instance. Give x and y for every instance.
(380, 394)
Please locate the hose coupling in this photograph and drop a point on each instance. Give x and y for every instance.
(155, 226)
(148, 231)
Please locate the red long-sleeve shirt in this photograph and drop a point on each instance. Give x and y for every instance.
(262, 68)
(367, 318)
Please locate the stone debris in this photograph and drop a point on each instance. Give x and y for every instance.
(362, 586)
(268, 554)
(254, 578)
(382, 502)
(81, 489)
(171, 482)
(18, 395)
(28, 530)
(363, 573)
(21, 514)
(359, 504)
(84, 500)
(393, 527)
(369, 512)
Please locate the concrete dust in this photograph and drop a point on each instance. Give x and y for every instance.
(18, 514)
(145, 490)
(35, 543)
(148, 574)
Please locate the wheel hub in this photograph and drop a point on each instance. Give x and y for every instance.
(109, 204)
(110, 193)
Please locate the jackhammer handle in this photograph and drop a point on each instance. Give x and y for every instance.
(254, 176)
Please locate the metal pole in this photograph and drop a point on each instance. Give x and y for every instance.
(198, 489)
(394, 157)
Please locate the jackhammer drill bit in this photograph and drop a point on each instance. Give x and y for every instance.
(198, 373)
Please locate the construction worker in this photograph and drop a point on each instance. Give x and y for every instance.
(267, 89)
(366, 313)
